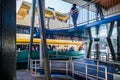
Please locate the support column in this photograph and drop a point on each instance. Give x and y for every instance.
(41, 16)
(0, 28)
(41, 55)
(97, 43)
(111, 48)
(31, 32)
(8, 39)
(98, 12)
(109, 40)
(118, 39)
(90, 43)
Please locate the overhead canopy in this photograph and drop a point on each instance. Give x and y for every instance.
(108, 3)
(82, 4)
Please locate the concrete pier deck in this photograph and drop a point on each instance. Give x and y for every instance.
(27, 75)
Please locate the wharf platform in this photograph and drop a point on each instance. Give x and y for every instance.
(27, 75)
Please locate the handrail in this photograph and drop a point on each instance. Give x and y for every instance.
(72, 68)
(87, 74)
(90, 64)
(111, 62)
(91, 16)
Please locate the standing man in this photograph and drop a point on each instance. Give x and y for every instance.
(74, 14)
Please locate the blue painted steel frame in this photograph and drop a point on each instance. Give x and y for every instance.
(94, 24)
(78, 28)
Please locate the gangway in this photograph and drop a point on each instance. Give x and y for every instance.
(93, 24)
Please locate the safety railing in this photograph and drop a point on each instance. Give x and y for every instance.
(113, 63)
(38, 64)
(86, 70)
(56, 56)
(76, 68)
(94, 10)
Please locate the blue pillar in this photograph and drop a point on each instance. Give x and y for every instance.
(110, 42)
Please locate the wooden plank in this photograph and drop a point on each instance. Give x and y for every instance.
(108, 3)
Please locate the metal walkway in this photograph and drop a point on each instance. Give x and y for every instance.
(84, 69)
(93, 24)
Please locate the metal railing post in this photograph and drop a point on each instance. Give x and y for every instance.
(72, 69)
(97, 68)
(66, 68)
(50, 66)
(35, 68)
(86, 72)
(106, 73)
(30, 65)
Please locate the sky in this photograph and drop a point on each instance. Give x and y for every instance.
(58, 5)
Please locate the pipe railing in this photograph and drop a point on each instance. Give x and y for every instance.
(88, 13)
(35, 64)
(91, 12)
(110, 62)
(71, 66)
(86, 66)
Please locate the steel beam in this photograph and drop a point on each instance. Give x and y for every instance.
(89, 49)
(111, 48)
(109, 40)
(41, 16)
(99, 12)
(8, 39)
(97, 43)
(31, 32)
(118, 39)
(93, 24)
(111, 29)
(90, 43)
